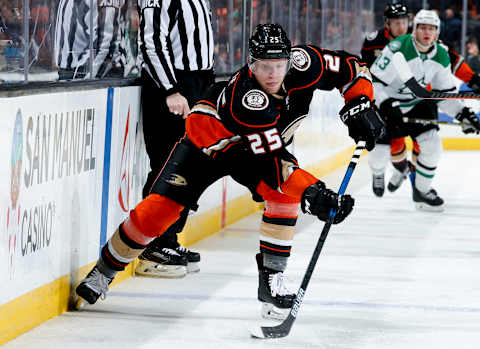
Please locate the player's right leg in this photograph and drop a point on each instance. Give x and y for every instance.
(378, 159)
(179, 185)
(152, 215)
(424, 196)
(398, 151)
(277, 229)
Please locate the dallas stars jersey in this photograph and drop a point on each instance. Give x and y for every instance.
(242, 111)
(431, 68)
(376, 41)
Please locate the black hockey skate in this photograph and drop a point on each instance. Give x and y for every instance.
(161, 262)
(94, 286)
(275, 297)
(429, 201)
(193, 258)
(378, 184)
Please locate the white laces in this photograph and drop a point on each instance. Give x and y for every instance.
(182, 249)
(170, 251)
(378, 181)
(277, 285)
(431, 194)
(98, 283)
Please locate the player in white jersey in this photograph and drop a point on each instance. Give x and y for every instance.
(429, 64)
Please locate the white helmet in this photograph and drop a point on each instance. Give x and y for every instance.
(427, 17)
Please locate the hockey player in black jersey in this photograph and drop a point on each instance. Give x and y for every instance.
(241, 128)
(396, 24)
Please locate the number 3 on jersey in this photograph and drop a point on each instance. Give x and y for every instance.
(274, 141)
(382, 62)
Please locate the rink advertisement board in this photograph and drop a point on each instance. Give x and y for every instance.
(52, 160)
(128, 160)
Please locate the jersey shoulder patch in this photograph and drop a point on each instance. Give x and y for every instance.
(372, 35)
(395, 45)
(300, 59)
(255, 100)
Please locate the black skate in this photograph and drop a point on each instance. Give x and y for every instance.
(193, 258)
(161, 262)
(429, 201)
(275, 297)
(397, 179)
(94, 286)
(378, 184)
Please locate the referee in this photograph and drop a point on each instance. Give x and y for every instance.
(175, 57)
(81, 23)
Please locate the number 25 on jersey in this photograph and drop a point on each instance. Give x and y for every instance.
(270, 141)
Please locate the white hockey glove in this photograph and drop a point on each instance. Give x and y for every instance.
(468, 119)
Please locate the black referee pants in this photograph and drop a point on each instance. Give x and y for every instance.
(162, 130)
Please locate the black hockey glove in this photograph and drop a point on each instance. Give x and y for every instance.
(318, 201)
(362, 121)
(469, 121)
(390, 114)
(474, 83)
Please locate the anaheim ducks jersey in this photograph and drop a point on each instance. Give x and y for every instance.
(240, 112)
(459, 67)
(373, 45)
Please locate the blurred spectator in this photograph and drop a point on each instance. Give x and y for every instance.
(473, 59)
(452, 28)
(11, 43)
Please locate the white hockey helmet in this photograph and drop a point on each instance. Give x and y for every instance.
(427, 17)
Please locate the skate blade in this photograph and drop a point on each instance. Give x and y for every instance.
(421, 206)
(271, 312)
(193, 267)
(151, 269)
(75, 302)
(80, 304)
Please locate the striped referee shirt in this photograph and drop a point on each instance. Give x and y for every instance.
(73, 31)
(174, 34)
(110, 21)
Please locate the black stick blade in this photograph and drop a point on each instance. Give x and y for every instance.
(264, 332)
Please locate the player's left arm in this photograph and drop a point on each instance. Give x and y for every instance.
(461, 69)
(443, 80)
(354, 81)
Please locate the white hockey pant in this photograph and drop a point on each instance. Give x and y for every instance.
(378, 158)
(430, 151)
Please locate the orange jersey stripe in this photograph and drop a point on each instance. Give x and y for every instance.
(205, 130)
(397, 145)
(360, 87)
(464, 72)
(298, 181)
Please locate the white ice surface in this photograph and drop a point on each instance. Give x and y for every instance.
(388, 277)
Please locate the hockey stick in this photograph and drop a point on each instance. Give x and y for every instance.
(405, 74)
(423, 93)
(284, 328)
(431, 121)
